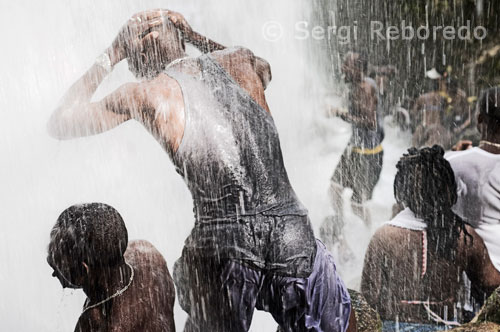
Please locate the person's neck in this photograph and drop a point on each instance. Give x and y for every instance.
(105, 282)
(490, 143)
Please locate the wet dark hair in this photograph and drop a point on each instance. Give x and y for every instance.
(489, 104)
(153, 60)
(93, 233)
(425, 183)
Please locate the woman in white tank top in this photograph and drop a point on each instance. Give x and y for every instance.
(477, 173)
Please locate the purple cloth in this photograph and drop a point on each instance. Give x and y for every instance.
(220, 295)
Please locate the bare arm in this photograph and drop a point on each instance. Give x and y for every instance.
(204, 44)
(77, 116)
(479, 268)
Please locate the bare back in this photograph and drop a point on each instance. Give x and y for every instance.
(399, 275)
(163, 109)
(147, 305)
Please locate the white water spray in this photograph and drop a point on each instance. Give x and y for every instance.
(48, 45)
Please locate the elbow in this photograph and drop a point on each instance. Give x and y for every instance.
(55, 128)
(52, 128)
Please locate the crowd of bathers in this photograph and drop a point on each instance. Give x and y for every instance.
(433, 265)
(252, 246)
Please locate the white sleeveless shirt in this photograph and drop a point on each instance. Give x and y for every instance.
(477, 173)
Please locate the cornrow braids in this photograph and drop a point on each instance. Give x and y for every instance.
(425, 183)
(489, 104)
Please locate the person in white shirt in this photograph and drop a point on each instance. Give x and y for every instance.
(477, 172)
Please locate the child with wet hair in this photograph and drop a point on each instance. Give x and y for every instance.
(128, 285)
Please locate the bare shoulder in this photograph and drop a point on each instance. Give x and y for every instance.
(390, 239)
(129, 98)
(142, 252)
(471, 240)
(142, 246)
(241, 53)
(128, 90)
(388, 232)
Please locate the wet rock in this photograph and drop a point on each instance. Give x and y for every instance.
(478, 327)
(491, 309)
(488, 319)
(367, 318)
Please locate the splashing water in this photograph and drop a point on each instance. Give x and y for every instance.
(49, 45)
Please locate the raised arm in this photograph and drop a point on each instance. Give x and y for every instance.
(77, 116)
(204, 44)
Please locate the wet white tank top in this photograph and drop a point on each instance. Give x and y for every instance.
(477, 173)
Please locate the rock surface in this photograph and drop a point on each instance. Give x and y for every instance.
(367, 318)
(488, 319)
(478, 327)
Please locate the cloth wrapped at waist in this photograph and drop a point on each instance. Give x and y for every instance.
(282, 244)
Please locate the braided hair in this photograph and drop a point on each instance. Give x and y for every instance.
(425, 183)
(489, 106)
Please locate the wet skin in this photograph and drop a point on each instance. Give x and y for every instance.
(155, 102)
(363, 96)
(392, 273)
(147, 305)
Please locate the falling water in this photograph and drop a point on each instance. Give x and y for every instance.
(47, 46)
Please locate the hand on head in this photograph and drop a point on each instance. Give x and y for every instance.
(142, 29)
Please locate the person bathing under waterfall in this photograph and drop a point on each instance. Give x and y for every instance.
(128, 285)
(252, 245)
(361, 163)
